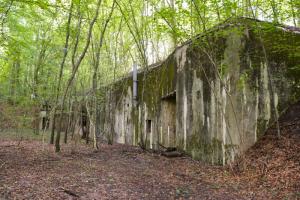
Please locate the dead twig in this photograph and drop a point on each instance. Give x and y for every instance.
(69, 192)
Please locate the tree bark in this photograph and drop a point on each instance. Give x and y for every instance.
(75, 69)
(95, 122)
(61, 73)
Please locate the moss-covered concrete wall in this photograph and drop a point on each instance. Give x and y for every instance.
(125, 123)
(214, 96)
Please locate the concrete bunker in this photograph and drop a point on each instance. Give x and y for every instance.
(213, 105)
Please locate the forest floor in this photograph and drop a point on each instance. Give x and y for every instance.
(30, 169)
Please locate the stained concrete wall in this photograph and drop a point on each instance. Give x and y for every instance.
(214, 96)
(128, 123)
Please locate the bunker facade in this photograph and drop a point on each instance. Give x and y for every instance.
(214, 96)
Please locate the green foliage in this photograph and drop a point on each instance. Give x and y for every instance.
(32, 38)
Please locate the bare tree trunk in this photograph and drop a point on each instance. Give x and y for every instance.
(76, 127)
(275, 12)
(95, 122)
(70, 116)
(75, 69)
(61, 73)
(14, 79)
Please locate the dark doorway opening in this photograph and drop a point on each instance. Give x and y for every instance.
(148, 126)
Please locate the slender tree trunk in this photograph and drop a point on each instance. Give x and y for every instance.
(69, 121)
(61, 73)
(75, 69)
(95, 122)
(275, 12)
(14, 80)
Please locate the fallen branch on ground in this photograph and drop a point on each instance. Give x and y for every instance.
(170, 152)
(69, 192)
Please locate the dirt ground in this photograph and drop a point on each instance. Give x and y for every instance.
(269, 170)
(124, 172)
(115, 172)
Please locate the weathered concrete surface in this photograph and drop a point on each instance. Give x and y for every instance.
(214, 96)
